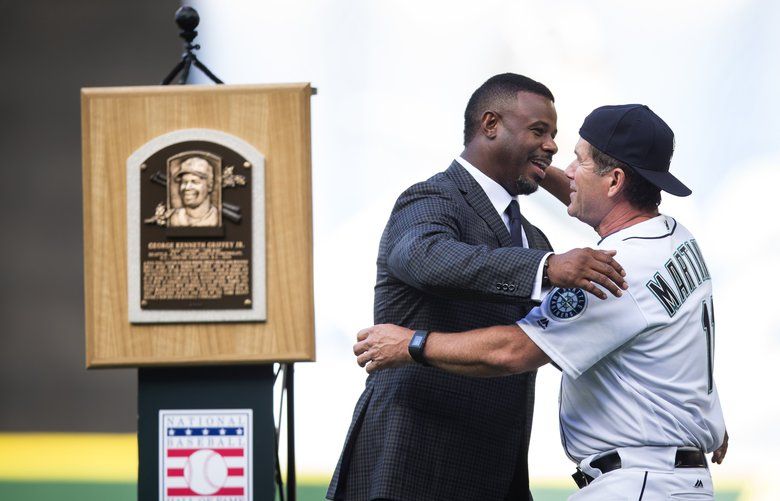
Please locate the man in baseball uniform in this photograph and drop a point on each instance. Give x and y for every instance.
(638, 406)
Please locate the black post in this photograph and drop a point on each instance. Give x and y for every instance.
(290, 388)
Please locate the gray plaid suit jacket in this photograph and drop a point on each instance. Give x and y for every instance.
(419, 433)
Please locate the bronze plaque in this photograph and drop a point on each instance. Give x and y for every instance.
(195, 245)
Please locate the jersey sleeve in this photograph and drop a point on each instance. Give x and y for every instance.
(577, 330)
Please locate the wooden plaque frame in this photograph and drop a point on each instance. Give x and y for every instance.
(275, 119)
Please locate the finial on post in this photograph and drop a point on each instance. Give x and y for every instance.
(188, 19)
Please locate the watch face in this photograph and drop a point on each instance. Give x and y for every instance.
(566, 304)
(416, 346)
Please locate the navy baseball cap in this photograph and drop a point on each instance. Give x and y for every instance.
(635, 135)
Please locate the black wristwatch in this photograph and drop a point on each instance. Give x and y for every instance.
(417, 345)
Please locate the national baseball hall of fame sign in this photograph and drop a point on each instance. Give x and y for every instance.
(196, 234)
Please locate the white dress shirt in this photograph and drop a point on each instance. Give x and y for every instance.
(500, 200)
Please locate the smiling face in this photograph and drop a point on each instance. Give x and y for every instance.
(590, 202)
(193, 189)
(195, 180)
(524, 142)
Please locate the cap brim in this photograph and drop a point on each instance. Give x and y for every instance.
(199, 174)
(665, 181)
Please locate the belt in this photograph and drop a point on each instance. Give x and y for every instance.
(684, 458)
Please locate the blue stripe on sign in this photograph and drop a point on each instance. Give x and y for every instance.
(197, 431)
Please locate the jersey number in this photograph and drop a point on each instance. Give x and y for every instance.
(708, 324)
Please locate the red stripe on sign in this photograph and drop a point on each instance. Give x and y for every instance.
(230, 491)
(225, 491)
(230, 452)
(235, 472)
(181, 491)
(183, 453)
(180, 453)
(175, 472)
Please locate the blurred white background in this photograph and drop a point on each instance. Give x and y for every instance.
(393, 81)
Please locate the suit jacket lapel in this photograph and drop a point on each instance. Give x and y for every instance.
(475, 196)
(530, 234)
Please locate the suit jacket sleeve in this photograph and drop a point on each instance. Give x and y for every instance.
(438, 244)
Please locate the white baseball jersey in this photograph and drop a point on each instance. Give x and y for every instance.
(637, 370)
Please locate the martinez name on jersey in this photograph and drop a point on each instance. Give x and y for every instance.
(686, 269)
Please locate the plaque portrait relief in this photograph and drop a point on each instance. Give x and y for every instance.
(192, 199)
(196, 229)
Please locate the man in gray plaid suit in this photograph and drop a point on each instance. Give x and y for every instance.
(456, 255)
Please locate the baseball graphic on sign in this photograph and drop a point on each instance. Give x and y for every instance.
(205, 472)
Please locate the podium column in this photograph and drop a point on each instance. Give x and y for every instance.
(203, 388)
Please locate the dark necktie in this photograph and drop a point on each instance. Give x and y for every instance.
(515, 225)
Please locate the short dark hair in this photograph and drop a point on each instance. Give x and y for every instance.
(639, 192)
(500, 87)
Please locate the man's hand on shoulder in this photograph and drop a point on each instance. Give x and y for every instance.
(383, 346)
(586, 268)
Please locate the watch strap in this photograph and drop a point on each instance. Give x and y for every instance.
(417, 345)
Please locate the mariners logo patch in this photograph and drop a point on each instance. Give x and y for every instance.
(565, 304)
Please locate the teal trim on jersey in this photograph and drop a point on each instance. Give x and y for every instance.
(654, 238)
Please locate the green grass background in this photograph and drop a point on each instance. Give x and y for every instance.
(82, 491)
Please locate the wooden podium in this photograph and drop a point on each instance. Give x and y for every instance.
(198, 253)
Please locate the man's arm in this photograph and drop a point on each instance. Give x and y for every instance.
(720, 453)
(493, 351)
(557, 184)
(428, 247)
(425, 250)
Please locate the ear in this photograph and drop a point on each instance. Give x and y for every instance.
(617, 181)
(489, 124)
